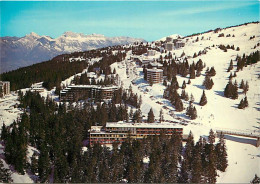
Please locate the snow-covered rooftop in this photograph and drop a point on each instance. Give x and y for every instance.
(91, 86)
(155, 70)
(142, 125)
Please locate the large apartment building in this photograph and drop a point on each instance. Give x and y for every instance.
(78, 92)
(4, 88)
(120, 131)
(154, 75)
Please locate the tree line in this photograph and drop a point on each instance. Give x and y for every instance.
(52, 72)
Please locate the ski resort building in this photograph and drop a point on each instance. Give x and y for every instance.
(154, 75)
(155, 65)
(179, 44)
(78, 92)
(4, 88)
(169, 46)
(169, 39)
(120, 131)
(37, 87)
(145, 62)
(151, 53)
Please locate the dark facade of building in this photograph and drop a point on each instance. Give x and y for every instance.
(4, 88)
(154, 75)
(80, 92)
(119, 131)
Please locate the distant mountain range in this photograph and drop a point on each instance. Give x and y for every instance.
(23, 51)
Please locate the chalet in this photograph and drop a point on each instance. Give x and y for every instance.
(120, 131)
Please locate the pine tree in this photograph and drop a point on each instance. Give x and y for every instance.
(184, 175)
(198, 73)
(246, 102)
(246, 87)
(150, 118)
(183, 93)
(5, 174)
(194, 113)
(234, 92)
(211, 169)
(208, 82)
(140, 101)
(34, 164)
(241, 105)
(230, 66)
(191, 111)
(203, 99)
(231, 91)
(212, 72)
(183, 85)
(161, 118)
(178, 105)
(211, 137)
(4, 132)
(103, 114)
(235, 74)
(137, 117)
(196, 169)
(44, 164)
(174, 83)
(189, 82)
(131, 114)
(192, 72)
(242, 84)
(191, 98)
(189, 147)
(230, 76)
(221, 154)
(256, 180)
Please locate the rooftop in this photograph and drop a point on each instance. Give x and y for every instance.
(142, 125)
(155, 70)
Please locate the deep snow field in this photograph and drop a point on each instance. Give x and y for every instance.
(218, 113)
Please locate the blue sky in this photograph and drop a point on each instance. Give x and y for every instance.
(149, 20)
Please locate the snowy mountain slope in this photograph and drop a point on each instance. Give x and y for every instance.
(18, 52)
(219, 112)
